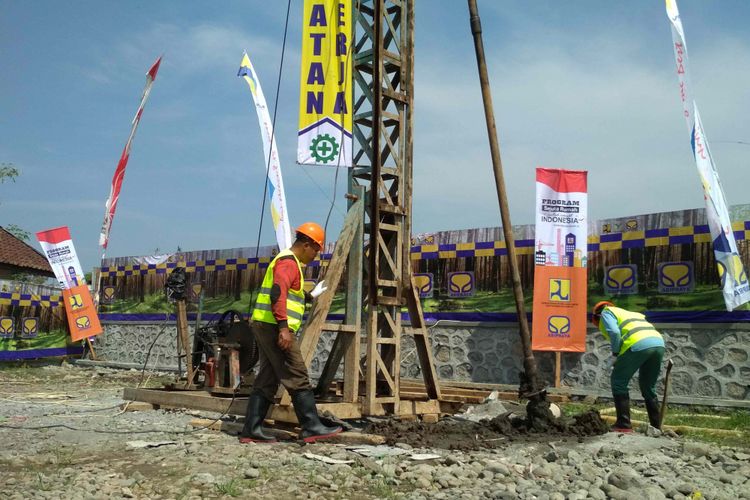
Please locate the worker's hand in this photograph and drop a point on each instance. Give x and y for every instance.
(285, 339)
(610, 363)
(319, 289)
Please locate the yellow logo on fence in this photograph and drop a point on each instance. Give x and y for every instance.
(109, 293)
(461, 284)
(30, 327)
(423, 282)
(677, 274)
(6, 326)
(559, 290)
(620, 278)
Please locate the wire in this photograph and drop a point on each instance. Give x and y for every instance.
(270, 149)
(341, 119)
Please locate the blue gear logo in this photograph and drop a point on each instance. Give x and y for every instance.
(324, 148)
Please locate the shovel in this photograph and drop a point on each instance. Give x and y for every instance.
(663, 412)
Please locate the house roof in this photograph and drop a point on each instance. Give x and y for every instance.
(15, 252)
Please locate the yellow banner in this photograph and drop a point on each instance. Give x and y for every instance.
(325, 109)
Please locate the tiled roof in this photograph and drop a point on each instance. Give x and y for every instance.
(15, 252)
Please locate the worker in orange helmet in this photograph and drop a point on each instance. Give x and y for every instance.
(276, 318)
(636, 346)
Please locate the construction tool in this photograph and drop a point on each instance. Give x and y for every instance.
(663, 412)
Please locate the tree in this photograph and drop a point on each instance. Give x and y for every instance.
(8, 172)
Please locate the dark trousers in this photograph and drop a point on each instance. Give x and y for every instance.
(648, 365)
(277, 366)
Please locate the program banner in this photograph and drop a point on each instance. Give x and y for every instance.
(560, 281)
(59, 250)
(325, 104)
(79, 308)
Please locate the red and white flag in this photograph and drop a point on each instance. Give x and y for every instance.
(117, 179)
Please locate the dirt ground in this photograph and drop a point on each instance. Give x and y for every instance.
(65, 436)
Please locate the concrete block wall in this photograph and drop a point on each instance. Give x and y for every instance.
(711, 361)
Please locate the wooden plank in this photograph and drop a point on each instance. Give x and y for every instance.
(422, 342)
(197, 400)
(338, 327)
(340, 410)
(350, 391)
(320, 308)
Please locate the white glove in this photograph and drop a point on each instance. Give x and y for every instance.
(319, 289)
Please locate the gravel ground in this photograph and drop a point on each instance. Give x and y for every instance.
(58, 462)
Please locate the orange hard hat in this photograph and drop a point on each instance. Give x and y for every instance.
(598, 309)
(314, 232)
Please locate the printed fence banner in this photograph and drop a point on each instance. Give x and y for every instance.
(560, 280)
(461, 284)
(82, 318)
(61, 254)
(325, 112)
(275, 182)
(734, 283)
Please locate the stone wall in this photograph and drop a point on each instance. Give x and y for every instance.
(710, 360)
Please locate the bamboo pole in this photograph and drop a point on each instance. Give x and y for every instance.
(529, 363)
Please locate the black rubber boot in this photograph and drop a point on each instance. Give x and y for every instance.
(622, 407)
(654, 413)
(307, 414)
(252, 431)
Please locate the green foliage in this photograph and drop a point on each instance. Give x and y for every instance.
(8, 172)
(230, 488)
(18, 232)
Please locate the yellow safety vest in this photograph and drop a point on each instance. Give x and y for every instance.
(633, 327)
(295, 300)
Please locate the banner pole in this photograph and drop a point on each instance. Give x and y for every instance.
(558, 360)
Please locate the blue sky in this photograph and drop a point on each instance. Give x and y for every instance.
(582, 85)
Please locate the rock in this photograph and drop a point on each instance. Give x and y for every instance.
(616, 493)
(556, 496)
(653, 431)
(127, 493)
(202, 478)
(670, 433)
(252, 473)
(697, 449)
(652, 493)
(685, 489)
(597, 494)
(423, 482)
(551, 456)
(322, 481)
(624, 478)
(497, 468)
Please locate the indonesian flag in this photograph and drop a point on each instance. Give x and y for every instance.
(114, 192)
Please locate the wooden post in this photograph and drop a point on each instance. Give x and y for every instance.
(558, 359)
(183, 336)
(529, 363)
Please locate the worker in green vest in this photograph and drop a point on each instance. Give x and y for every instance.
(636, 346)
(276, 318)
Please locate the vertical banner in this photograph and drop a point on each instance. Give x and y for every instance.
(61, 254)
(734, 283)
(81, 313)
(325, 113)
(560, 281)
(119, 176)
(79, 306)
(279, 214)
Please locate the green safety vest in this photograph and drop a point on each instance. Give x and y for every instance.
(295, 300)
(633, 327)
